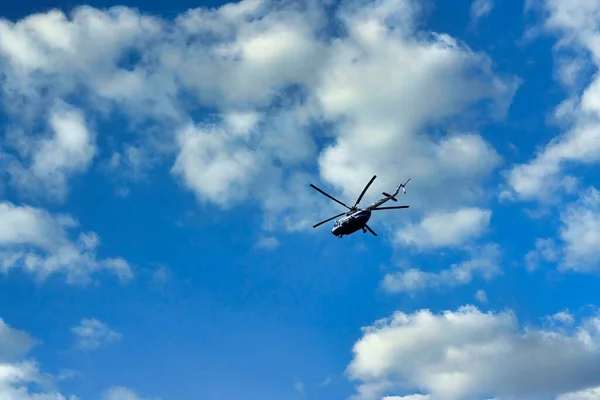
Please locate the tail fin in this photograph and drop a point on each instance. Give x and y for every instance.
(402, 186)
(396, 191)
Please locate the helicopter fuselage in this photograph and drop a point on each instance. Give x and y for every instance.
(351, 223)
(356, 220)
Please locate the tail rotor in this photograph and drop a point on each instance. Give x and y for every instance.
(403, 186)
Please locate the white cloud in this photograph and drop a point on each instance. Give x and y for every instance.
(481, 296)
(256, 54)
(22, 379)
(60, 53)
(37, 241)
(270, 76)
(17, 379)
(132, 162)
(587, 394)
(581, 233)
(384, 104)
(562, 317)
(14, 344)
(19, 376)
(484, 261)
(121, 393)
(214, 167)
(577, 246)
(69, 150)
(241, 123)
(541, 178)
(445, 229)
(65, 374)
(326, 382)
(92, 334)
(480, 8)
(299, 387)
(467, 354)
(545, 250)
(160, 276)
(267, 242)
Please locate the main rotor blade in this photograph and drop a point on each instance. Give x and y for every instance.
(327, 220)
(370, 230)
(388, 208)
(331, 197)
(364, 190)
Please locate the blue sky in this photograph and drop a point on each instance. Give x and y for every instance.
(156, 236)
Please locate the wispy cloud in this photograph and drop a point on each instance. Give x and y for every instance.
(484, 262)
(92, 334)
(39, 243)
(267, 243)
(480, 9)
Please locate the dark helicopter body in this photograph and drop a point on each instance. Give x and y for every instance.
(357, 218)
(351, 223)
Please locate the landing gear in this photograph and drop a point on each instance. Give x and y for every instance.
(364, 230)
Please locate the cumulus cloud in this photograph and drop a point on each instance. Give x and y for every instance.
(69, 150)
(16, 381)
(466, 354)
(484, 261)
(38, 242)
(92, 334)
(575, 24)
(212, 166)
(45, 49)
(370, 100)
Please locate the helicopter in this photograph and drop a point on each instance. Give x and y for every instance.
(357, 218)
